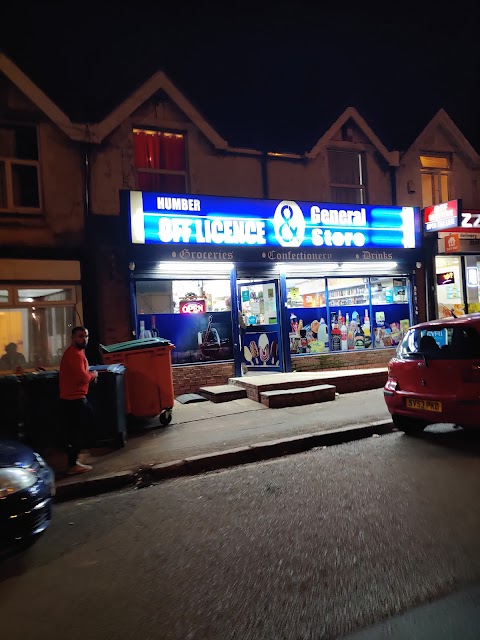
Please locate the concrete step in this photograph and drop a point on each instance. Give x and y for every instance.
(280, 398)
(345, 380)
(223, 393)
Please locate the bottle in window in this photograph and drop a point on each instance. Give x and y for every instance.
(366, 330)
(359, 337)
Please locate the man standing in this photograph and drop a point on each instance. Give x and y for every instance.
(76, 410)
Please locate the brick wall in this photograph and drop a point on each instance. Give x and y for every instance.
(189, 378)
(350, 360)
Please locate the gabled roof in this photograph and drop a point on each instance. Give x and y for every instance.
(391, 157)
(39, 98)
(159, 81)
(98, 132)
(443, 120)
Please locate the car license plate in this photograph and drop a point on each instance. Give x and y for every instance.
(426, 405)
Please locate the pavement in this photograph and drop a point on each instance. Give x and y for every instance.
(207, 436)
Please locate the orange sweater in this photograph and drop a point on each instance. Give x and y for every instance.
(74, 374)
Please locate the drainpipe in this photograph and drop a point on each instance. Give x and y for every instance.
(88, 271)
(393, 185)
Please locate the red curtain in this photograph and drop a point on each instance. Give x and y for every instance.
(160, 151)
(174, 147)
(147, 150)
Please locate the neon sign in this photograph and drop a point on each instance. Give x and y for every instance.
(192, 306)
(169, 219)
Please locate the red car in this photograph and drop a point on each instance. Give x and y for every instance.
(435, 375)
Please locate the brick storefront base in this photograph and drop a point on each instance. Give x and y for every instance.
(349, 360)
(189, 378)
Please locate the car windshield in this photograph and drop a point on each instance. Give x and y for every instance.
(440, 343)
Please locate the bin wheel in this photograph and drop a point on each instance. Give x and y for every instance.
(165, 417)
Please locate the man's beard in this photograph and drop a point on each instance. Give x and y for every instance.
(81, 346)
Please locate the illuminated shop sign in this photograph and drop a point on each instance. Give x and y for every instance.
(442, 216)
(193, 306)
(168, 219)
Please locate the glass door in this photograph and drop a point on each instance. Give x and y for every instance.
(260, 326)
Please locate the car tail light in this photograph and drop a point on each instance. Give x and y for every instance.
(391, 384)
(471, 373)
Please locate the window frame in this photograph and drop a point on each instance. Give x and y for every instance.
(165, 172)
(14, 301)
(436, 174)
(361, 187)
(11, 207)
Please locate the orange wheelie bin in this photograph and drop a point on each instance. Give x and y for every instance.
(148, 376)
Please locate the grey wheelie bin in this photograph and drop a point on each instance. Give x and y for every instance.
(107, 397)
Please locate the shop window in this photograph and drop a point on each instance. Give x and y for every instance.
(172, 296)
(449, 286)
(349, 302)
(19, 168)
(435, 172)
(306, 302)
(195, 315)
(390, 310)
(347, 183)
(472, 269)
(160, 161)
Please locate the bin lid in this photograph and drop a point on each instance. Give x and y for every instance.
(130, 345)
(108, 368)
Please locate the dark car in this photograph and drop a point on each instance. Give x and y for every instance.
(435, 375)
(26, 490)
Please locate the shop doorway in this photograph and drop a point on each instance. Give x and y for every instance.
(260, 326)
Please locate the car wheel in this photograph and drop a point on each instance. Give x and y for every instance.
(410, 426)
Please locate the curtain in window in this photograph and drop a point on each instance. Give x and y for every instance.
(174, 146)
(147, 150)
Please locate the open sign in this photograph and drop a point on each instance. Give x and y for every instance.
(193, 306)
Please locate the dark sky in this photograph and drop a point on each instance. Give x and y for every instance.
(272, 77)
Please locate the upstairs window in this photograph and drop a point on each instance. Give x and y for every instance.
(436, 172)
(19, 169)
(160, 161)
(347, 182)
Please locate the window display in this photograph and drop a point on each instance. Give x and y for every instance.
(195, 315)
(449, 289)
(362, 313)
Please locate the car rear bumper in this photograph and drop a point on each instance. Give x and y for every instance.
(463, 411)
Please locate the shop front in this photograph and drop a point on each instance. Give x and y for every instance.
(455, 258)
(263, 284)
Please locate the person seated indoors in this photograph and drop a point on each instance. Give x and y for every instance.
(12, 359)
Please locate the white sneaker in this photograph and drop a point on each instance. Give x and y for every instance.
(79, 468)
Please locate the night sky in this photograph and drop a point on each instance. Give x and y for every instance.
(272, 78)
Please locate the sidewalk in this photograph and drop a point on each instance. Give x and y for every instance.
(204, 431)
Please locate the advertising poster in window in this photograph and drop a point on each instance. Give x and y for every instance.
(261, 349)
(198, 337)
